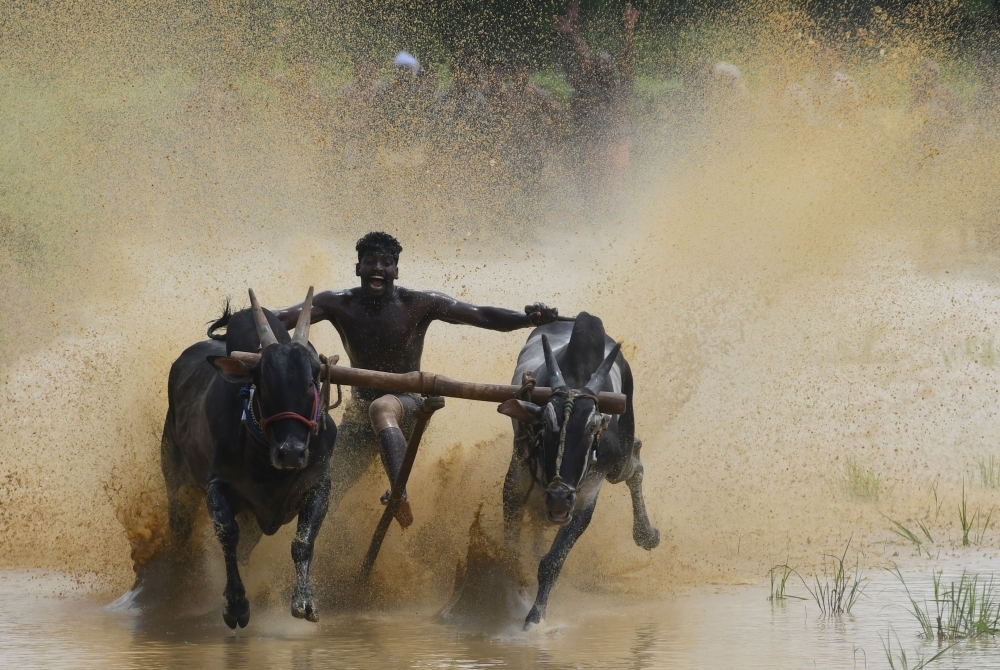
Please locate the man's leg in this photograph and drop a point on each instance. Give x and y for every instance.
(386, 414)
(353, 452)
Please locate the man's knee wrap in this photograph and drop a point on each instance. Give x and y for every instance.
(385, 412)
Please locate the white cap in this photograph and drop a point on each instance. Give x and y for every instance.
(729, 69)
(406, 59)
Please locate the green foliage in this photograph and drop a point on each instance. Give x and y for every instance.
(969, 608)
(839, 594)
(989, 472)
(861, 482)
(779, 575)
(910, 536)
(899, 661)
(974, 524)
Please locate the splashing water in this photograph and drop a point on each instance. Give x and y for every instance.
(801, 263)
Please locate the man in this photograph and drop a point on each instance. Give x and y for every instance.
(382, 327)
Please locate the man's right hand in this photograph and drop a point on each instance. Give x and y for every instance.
(540, 314)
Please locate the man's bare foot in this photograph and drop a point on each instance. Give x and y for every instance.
(404, 515)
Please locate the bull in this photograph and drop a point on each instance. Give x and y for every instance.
(565, 450)
(253, 441)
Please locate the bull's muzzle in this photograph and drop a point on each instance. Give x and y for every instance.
(290, 455)
(559, 502)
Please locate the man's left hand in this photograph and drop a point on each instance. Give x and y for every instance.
(540, 314)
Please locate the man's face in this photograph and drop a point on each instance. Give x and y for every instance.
(378, 272)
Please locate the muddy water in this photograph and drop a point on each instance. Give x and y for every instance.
(805, 281)
(46, 623)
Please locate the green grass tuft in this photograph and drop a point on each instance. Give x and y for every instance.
(839, 595)
(861, 482)
(974, 524)
(969, 608)
(989, 472)
(900, 661)
(779, 575)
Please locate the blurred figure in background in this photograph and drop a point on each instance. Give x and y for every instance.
(936, 103)
(533, 122)
(602, 90)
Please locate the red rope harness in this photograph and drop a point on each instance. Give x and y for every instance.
(312, 423)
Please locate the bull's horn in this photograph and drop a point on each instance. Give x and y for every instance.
(305, 318)
(601, 374)
(556, 380)
(264, 332)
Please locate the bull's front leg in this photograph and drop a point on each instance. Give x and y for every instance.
(552, 563)
(516, 488)
(643, 533)
(220, 509)
(312, 511)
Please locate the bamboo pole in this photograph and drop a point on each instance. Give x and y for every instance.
(430, 383)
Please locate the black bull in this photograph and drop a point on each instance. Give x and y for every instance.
(253, 481)
(566, 449)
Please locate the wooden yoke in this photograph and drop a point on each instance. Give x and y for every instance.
(432, 384)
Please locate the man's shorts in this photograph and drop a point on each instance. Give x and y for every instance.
(355, 431)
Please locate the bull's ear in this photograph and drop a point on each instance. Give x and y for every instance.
(520, 410)
(231, 369)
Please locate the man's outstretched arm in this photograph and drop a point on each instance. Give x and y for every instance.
(322, 303)
(450, 310)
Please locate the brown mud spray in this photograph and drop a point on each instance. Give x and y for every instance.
(802, 264)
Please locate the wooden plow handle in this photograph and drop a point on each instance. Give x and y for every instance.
(433, 384)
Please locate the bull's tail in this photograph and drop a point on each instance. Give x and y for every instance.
(221, 322)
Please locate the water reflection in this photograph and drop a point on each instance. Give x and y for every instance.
(725, 627)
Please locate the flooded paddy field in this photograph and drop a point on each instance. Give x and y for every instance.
(801, 258)
(46, 623)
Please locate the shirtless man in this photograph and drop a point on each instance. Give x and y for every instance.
(382, 327)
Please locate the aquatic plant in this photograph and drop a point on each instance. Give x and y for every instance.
(900, 661)
(839, 595)
(910, 536)
(938, 502)
(968, 608)
(861, 482)
(969, 523)
(989, 472)
(779, 575)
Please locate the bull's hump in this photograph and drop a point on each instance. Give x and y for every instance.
(532, 357)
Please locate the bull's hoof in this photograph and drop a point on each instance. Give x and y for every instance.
(647, 538)
(305, 608)
(534, 616)
(237, 613)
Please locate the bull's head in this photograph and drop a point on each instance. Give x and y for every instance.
(285, 389)
(570, 425)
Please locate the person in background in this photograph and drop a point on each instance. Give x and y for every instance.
(602, 90)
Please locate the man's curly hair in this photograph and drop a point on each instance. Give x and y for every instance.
(379, 242)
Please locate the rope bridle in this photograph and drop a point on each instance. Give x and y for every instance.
(535, 446)
(258, 425)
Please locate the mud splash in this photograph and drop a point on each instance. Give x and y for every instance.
(803, 274)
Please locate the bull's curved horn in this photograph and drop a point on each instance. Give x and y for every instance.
(555, 374)
(264, 332)
(601, 374)
(305, 318)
